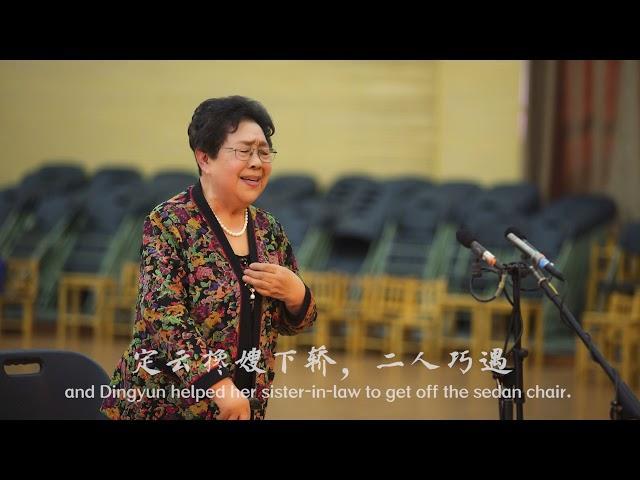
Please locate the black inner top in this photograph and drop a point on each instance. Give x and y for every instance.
(245, 261)
(249, 315)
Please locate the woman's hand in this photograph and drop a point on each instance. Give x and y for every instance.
(278, 282)
(232, 404)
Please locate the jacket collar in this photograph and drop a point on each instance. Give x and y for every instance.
(199, 199)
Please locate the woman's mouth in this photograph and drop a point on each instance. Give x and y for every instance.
(251, 181)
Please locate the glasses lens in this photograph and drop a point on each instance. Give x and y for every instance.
(267, 155)
(243, 154)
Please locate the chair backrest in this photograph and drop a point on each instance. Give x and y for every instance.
(330, 290)
(635, 306)
(621, 304)
(129, 279)
(21, 280)
(430, 295)
(68, 386)
(386, 296)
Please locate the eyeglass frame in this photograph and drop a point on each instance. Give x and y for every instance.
(257, 150)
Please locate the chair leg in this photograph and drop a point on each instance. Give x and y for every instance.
(61, 330)
(531, 319)
(626, 354)
(75, 312)
(1, 314)
(635, 358)
(100, 321)
(353, 333)
(27, 323)
(396, 344)
(110, 322)
(480, 330)
(580, 362)
(320, 336)
(435, 345)
(539, 362)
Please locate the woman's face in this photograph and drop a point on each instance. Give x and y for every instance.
(238, 182)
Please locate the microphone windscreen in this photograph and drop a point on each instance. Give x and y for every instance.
(515, 231)
(464, 237)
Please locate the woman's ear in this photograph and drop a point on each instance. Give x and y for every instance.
(202, 158)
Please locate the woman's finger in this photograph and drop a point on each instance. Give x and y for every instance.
(264, 267)
(256, 282)
(258, 274)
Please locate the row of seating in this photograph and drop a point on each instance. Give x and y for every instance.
(404, 315)
(612, 316)
(383, 313)
(360, 226)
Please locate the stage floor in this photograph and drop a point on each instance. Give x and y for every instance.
(551, 392)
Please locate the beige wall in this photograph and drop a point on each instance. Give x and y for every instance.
(386, 118)
(478, 123)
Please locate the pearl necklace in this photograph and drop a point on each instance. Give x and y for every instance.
(230, 232)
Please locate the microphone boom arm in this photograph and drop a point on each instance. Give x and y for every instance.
(627, 405)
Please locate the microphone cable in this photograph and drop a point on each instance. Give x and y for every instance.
(476, 272)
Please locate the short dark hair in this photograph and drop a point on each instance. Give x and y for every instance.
(215, 118)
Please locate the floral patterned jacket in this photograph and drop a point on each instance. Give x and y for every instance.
(194, 318)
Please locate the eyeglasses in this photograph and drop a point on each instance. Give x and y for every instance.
(244, 154)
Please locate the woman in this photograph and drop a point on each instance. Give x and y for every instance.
(218, 282)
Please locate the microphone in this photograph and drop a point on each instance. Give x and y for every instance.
(467, 240)
(519, 240)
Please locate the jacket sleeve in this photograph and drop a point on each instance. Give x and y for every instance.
(293, 324)
(163, 322)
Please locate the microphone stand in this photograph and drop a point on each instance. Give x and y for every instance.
(514, 380)
(625, 405)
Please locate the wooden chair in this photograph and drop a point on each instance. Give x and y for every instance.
(610, 264)
(73, 289)
(21, 288)
(600, 261)
(423, 318)
(616, 333)
(452, 337)
(330, 291)
(385, 304)
(486, 334)
(122, 298)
